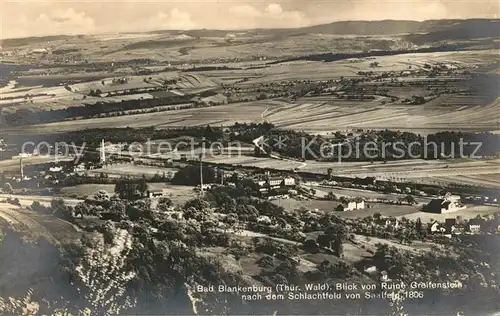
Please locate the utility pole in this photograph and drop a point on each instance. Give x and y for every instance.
(21, 166)
(201, 174)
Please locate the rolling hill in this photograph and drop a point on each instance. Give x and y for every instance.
(430, 30)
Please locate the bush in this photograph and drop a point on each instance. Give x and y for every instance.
(7, 188)
(311, 246)
(266, 262)
(14, 201)
(39, 208)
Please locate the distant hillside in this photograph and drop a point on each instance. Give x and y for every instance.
(14, 42)
(418, 32)
(384, 27)
(463, 30)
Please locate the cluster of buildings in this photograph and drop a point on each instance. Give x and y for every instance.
(354, 205)
(446, 204)
(458, 226)
(274, 185)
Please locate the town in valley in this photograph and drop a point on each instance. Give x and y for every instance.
(269, 170)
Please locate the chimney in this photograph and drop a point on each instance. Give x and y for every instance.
(103, 153)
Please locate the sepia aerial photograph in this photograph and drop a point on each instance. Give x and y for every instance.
(258, 157)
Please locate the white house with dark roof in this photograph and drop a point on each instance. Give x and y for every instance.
(446, 204)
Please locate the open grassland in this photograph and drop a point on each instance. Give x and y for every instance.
(83, 190)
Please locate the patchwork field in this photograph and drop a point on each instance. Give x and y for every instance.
(39, 98)
(309, 70)
(318, 115)
(325, 117)
(489, 180)
(217, 116)
(316, 118)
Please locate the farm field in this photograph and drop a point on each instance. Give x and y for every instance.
(489, 180)
(304, 70)
(83, 190)
(42, 98)
(217, 116)
(320, 116)
(315, 118)
(325, 117)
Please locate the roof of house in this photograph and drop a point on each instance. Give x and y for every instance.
(477, 221)
(445, 204)
(436, 203)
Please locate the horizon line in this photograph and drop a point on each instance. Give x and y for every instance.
(246, 29)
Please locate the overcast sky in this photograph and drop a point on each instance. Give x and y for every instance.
(21, 18)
